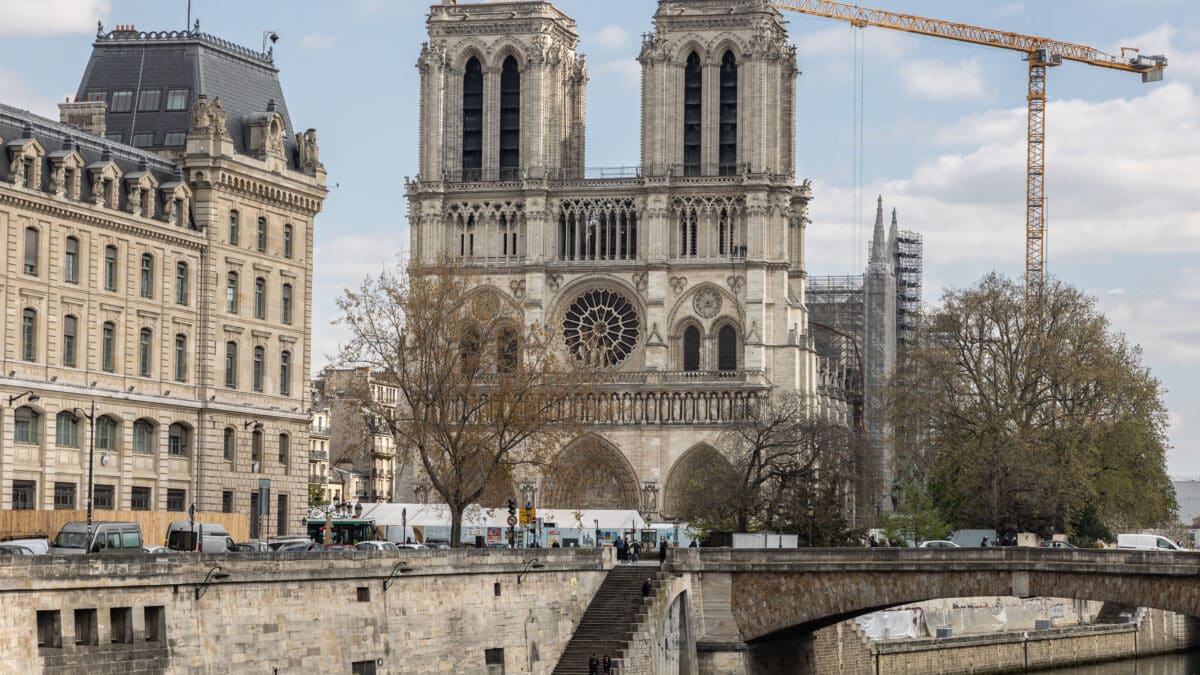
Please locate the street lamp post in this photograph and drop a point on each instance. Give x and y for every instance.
(91, 418)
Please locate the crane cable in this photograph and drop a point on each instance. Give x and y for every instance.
(858, 90)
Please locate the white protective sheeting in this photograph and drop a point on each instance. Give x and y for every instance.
(892, 624)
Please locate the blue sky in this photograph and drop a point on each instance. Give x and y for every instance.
(943, 140)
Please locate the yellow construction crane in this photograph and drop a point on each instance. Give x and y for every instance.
(1041, 53)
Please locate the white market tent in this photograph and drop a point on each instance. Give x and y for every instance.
(438, 515)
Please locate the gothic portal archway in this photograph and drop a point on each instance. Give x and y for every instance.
(591, 473)
(702, 469)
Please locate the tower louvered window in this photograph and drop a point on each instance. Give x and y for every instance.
(472, 126)
(727, 143)
(510, 120)
(691, 116)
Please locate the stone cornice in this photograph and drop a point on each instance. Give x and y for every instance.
(53, 209)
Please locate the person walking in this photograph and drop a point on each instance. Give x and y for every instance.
(620, 549)
(646, 588)
(637, 550)
(606, 665)
(594, 665)
(662, 552)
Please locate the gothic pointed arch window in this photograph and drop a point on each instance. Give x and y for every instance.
(472, 120)
(727, 348)
(727, 120)
(510, 120)
(691, 349)
(691, 115)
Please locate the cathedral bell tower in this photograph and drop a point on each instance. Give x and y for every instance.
(502, 93)
(718, 89)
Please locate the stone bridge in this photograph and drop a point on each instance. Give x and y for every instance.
(753, 610)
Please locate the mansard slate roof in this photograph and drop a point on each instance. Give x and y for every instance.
(55, 137)
(126, 59)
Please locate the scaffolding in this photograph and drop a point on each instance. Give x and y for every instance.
(908, 259)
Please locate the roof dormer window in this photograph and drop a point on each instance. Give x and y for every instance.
(149, 100)
(177, 99)
(122, 101)
(143, 140)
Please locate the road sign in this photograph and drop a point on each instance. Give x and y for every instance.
(512, 521)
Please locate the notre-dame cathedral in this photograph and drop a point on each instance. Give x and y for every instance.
(692, 264)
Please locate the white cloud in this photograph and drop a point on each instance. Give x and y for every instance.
(17, 93)
(612, 38)
(838, 40)
(341, 262)
(627, 73)
(48, 17)
(1165, 322)
(318, 41)
(939, 80)
(1011, 8)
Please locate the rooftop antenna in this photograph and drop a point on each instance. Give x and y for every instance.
(189, 16)
(267, 35)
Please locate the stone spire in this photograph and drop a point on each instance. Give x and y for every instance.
(893, 232)
(878, 245)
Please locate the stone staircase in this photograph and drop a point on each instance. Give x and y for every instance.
(610, 619)
(1110, 612)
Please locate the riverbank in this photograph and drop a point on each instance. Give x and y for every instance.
(844, 649)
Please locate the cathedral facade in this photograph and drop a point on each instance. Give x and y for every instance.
(690, 268)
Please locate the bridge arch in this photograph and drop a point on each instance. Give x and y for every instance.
(591, 473)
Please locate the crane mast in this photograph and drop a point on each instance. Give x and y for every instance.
(1040, 53)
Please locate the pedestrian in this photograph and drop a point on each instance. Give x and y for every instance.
(984, 542)
(662, 552)
(693, 544)
(637, 550)
(646, 588)
(594, 665)
(620, 549)
(606, 665)
(872, 542)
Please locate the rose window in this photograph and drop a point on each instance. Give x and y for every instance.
(601, 327)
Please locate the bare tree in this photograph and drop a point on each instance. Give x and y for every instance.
(480, 395)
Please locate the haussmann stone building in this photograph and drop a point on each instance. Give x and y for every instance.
(158, 263)
(693, 263)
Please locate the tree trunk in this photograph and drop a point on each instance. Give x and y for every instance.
(456, 515)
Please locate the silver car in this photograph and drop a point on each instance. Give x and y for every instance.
(377, 546)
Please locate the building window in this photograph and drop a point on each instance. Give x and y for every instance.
(145, 341)
(260, 298)
(148, 100)
(231, 350)
(260, 241)
(727, 348)
(472, 126)
(510, 120)
(64, 496)
(281, 515)
(70, 331)
(103, 497)
(181, 283)
(143, 140)
(228, 442)
(175, 139)
(287, 241)
(71, 261)
(691, 348)
(49, 628)
(181, 358)
(233, 228)
(727, 130)
(285, 445)
(256, 447)
(24, 495)
(106, 433)
(108, 346)
(143, 437)
(176, 499)
(139, 498)
(493, 659)
(691, 115)
(156, 621)
(66, 430)
(227, 502)
(256, 373)
(122, 101)
(31, 251)
(285, 373)
(179, 440)
(231, 293)
(285, 304)
(147, 285)
(110, 268)
(177, 99)
(362, 667)
(507, 350)
(28, 335)
(26, 425)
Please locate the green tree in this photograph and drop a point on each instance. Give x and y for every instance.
(916, 519)
(1032, 413)
(316, 494)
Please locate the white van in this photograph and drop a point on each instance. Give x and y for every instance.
(1146, 542)
(104, 537)
(200, 537)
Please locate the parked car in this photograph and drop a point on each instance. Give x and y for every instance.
(377, 546)
(280, 542)
(200, 537)
(253, 546)
(938, 543)
(15, 549)
(105, 537)
(412, 547)
(150, 548)
(1054, 543)
(38, 545)
(1146, 542)
(299, 546)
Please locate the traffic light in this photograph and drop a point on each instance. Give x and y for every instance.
(512, 507)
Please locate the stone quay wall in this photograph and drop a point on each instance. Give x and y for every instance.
(842, 649)
(457, 611)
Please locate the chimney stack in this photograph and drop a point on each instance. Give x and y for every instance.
(86, 116)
